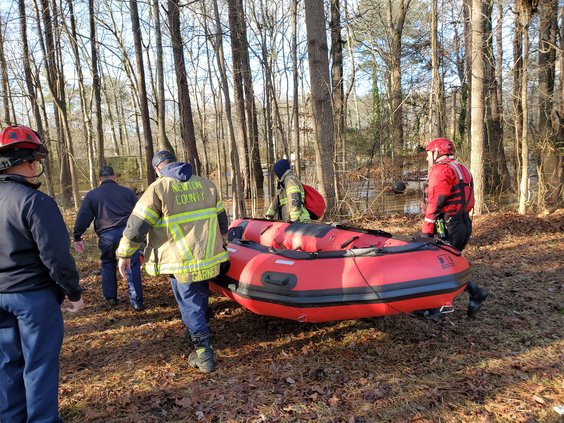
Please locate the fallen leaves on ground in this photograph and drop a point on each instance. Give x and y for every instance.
(118, 365)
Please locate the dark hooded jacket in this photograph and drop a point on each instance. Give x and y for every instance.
(35, 247)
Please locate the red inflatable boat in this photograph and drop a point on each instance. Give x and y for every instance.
(316, 273)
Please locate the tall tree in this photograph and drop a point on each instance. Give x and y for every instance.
(492, 116)
(142, 90)
(295, 86)
(239, 118)
(32, 93)
(96, 84)
(525, 10)
(320, 83)
(86, 119)
(337, 86)
(164, 143)
(477, 100)
(396, 23)
(184, 102)
(239, 208)
(550, 139)
(436, 104)
(250, 105)
(56, 82)
(4, 76)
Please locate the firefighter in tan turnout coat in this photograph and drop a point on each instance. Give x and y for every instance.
(186, 226)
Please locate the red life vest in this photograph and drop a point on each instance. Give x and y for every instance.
(461, 198)
(450, 192)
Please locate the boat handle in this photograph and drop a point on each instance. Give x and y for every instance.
(348, 241)
(266, 229)
(279, 282)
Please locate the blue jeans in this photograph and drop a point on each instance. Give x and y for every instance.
(108, 244)
(31, 335)
(192, 299)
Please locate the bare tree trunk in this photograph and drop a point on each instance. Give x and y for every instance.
(477, 101)
(466, 8)
(250, 105)
(61, 104)
(187, 123)
(239, 118)
(395, 31)
(550, 172)
(32, 94)
(96, 85)
(493, 123)
(506, 181)
(321, 99)
(524, 185)
(337, 89)
(436, 103)
(4, 74)
(517, 105)
(142, 90)
(295, 82)
(164, 143)
(239, 208)
(56, 88)
(86, 121)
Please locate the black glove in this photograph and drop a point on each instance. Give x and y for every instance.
(224, 267)
(425, 235)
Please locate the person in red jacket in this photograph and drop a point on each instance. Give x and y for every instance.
(450, 198)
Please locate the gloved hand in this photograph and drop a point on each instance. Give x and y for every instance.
(425, 235)
(224, 267)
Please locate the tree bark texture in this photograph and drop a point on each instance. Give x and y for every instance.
(321, 99)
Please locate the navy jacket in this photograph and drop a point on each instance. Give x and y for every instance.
(109, 206)
(35, 246)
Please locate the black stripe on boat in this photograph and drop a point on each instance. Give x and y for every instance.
(284, 295)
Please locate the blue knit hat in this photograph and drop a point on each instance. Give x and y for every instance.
(161, 156)
(281, 167)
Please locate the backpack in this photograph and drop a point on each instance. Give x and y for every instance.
(314, 202)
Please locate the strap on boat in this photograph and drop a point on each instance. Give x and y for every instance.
(376, 232)
(353, 252)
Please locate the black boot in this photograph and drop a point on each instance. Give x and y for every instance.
(203, 357)
(477, 296)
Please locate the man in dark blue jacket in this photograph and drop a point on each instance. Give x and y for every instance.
(37, 271)
(109, 206)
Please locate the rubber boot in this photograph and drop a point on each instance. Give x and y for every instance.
(203, 357)
(477, 296)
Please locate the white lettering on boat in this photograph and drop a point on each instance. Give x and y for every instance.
(286, 262)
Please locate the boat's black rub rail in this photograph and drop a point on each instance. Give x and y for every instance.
(347, 296)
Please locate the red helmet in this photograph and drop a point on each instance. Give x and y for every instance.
(20, 144)
(442, 146)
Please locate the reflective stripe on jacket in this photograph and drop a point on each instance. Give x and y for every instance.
(450, 192)
(184, 238)
(288, 204)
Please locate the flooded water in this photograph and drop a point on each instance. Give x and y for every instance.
(358, 198)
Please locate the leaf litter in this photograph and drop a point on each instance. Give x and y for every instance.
(118, 365)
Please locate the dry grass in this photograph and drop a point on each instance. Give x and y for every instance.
(504, 366)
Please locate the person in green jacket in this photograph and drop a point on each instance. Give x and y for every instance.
(288, 203)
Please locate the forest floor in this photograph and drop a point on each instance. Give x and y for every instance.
(504, 366)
